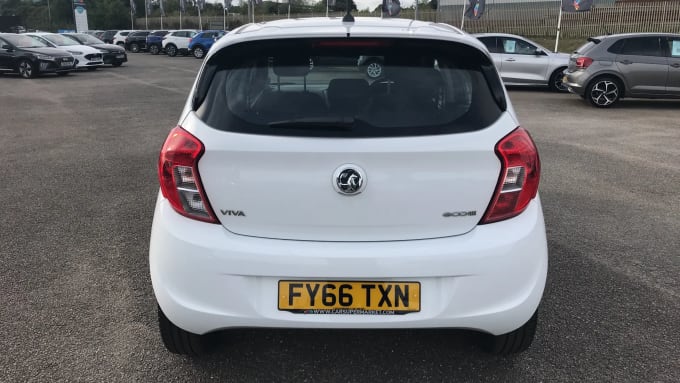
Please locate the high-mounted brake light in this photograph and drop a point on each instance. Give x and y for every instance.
(351, 43)
(520, 173)
(178, 176)
(583, 62)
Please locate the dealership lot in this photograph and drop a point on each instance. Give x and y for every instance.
(79, 161)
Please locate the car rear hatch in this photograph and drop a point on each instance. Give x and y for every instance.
(424, 167)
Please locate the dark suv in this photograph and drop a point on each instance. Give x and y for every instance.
(107, 36)
(636, 65)
(136, 41)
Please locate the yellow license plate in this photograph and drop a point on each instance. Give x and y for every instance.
(349, 297)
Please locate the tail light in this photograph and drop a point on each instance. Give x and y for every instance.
(583, 62)
(520, 173)
(178, 176)
(189, 41)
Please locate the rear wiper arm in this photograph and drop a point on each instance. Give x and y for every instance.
(315, 123)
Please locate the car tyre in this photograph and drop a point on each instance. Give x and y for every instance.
(63, 73)
(374, 69)
(556, 84)
(513, 342)
(134, 48)
(171, 50)
(604, 92)
(26, 69)
(199, 52)
(92, 68)
(182, 342)
(116, 63)
(154, 49)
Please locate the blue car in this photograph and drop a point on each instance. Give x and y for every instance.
(201, 43)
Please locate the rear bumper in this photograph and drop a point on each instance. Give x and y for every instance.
(206, 278)
(110, 58)
(576, 82)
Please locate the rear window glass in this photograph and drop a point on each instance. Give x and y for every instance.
(585, 47)
(322, 87)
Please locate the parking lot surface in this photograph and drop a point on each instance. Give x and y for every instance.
(79, 169)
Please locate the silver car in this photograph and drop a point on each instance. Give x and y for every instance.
(639, 65)
(521, 61)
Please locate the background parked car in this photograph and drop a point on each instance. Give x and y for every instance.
(178, 42)
(107, 36)
(154, 41)
(521, 61)
(119, 37)
(642, 65)
(372, 66)
(29, 56)
(111, 54)
(200, 44)
(86, 57)
(136, 41)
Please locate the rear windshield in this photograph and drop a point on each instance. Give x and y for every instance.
(349, 88)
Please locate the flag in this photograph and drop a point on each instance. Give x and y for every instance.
(147, 4)
(475, 9)
(227, 4)
(182, 6)
(577, 5)
(391, 7)
(160, 5)
(133, 7)
(200, 4)
(331, 3)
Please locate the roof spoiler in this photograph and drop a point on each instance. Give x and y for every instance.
(594, 40)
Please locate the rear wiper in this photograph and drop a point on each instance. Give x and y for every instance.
(335, 124)
(594, 40)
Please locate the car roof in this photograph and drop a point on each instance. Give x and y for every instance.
(334, 27)
(499, 35)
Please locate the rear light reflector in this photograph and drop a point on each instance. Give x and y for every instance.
(520, 174)
(179, 178)
(583, 62)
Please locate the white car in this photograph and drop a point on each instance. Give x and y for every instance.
(86, 56)
(119, 37)
(308, 196)
(178, 42)
(522, 62)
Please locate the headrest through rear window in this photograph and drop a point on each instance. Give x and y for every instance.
(291, 65)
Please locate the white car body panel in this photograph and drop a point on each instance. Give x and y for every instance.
(490, 279)
(439, 174)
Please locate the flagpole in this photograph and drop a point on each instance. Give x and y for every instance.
(132, 20)
(559, 24)
(415, 15)
(326, 7)
(462, 19)
(200, 22)
(224, 22)
(146, 14)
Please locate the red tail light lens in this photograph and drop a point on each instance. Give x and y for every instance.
(520, 173)
(583, 62)
(178, 176)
